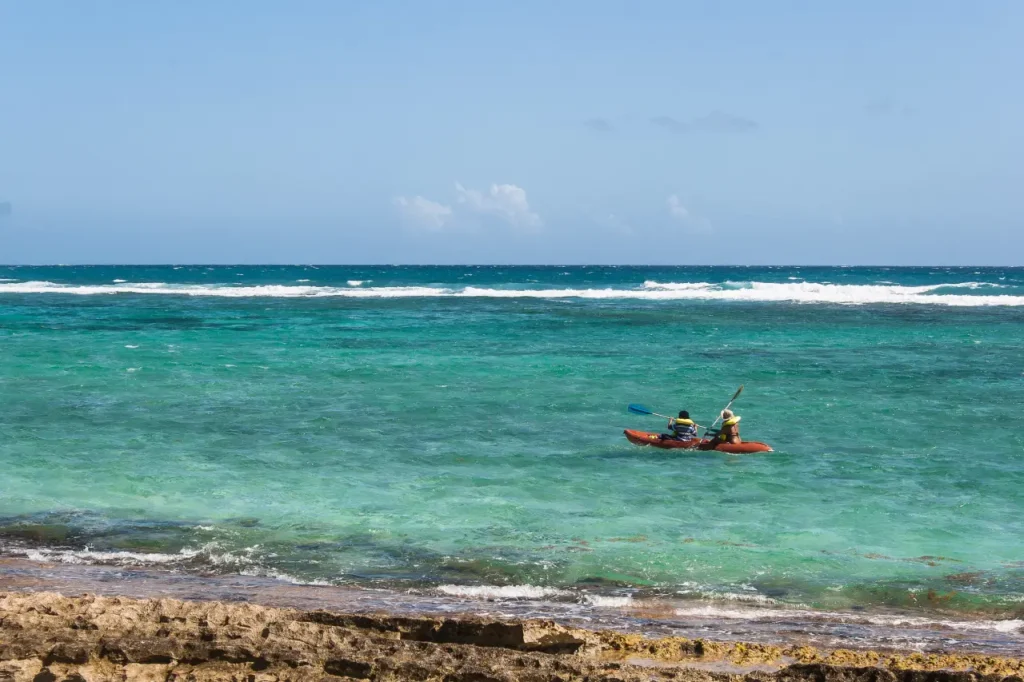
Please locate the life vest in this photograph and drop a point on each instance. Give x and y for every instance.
(683, 427)
(726, 424)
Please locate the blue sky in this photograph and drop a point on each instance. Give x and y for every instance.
(536, 132)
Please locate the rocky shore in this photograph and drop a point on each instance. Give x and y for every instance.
(46, 637)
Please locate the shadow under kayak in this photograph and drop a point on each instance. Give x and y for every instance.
(652, 439)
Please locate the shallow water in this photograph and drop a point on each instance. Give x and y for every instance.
(421, 427)
(879, 629)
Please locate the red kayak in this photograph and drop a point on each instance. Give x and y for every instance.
(654, 440)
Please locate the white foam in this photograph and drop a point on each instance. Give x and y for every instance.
(225, 291)
(1011, 625)
(973, 285)
(87, 556)
(792, 292)
(501, 591)
(847, 294)
(283, 577)
(119, 281)
(355, 282)
(131, 346)
(148, 285)
(740, 613)
(716, 612)
(607, 602)
(651, 285)
(243, 561)
(750, 597)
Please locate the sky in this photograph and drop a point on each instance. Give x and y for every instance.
(643, 132)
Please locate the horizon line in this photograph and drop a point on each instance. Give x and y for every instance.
(497, 265)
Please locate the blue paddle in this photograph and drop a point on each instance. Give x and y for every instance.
(640, 409)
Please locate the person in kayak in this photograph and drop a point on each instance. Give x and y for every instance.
(730, 431)
(682, 427)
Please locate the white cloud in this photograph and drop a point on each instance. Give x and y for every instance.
(507, 202)
(425, 212)
(694, 223)
(676, 208)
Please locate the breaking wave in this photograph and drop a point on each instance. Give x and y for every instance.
(779, 292)
(501, 591)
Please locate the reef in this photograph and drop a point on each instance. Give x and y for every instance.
(48, 637)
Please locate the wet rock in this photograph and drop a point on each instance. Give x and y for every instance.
(38, 533)
(46, 636)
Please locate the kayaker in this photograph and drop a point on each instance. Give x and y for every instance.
(730, 431)
(682, 427)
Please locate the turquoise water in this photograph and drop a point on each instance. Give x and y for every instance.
(462, 426)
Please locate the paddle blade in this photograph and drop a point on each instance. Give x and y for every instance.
(639, 409)
(737, 395)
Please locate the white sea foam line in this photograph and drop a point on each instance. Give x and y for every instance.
(758, 614)
(751, 597)
(794, 292)
(531, 592)
(733, 596)
(740, 613)
(283, 577)
(677, 286)
(602, 601)
(973, 285)
(227, 291)
(501, 591)
(87, 556)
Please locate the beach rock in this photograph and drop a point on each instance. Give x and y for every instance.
(50, 637)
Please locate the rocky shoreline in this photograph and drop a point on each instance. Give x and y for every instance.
(46, 637)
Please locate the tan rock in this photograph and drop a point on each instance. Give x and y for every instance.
(46, 637)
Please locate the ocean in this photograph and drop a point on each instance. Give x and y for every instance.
(456, 433)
